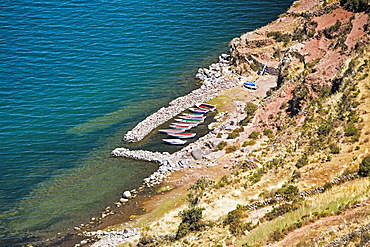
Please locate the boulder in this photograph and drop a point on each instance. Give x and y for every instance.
(197, 153)
(126, 194)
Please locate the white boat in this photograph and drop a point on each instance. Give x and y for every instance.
(192, 115)
(174, 141)
(189, 120)
(187, 127)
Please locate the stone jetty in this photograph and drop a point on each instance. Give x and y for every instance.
(215, 79)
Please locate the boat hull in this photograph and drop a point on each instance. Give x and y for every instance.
(174, 141)
(206, 107)
(192, 118)
(198, 110)
(186, 127)
(189, 120)
(182, 135)
(171, 130)
(250, 85)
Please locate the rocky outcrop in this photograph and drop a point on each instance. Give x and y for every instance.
(344, 240)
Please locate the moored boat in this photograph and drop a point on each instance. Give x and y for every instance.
(182, 135)
(198, 110)
(175, 141)
(206, 106)
(192, 118)
(250, 85)
(186, 127)
(171, 130)
(189, 120)
(193, 115)
(184, 124)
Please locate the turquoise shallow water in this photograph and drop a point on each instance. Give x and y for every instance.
(75, 76)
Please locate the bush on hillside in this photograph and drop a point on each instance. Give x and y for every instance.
(190, 221)
(355, 5)
(289, 191)
(364, 169)
(250, 109)
(254, 135)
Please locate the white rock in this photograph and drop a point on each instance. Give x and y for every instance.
(126, 194)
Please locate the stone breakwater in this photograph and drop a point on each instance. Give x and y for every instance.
(167, 162)
(185, 158)
(216, 78)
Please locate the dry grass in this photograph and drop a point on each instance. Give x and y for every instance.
(330, 201)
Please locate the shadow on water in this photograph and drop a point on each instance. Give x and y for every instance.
(153, 142)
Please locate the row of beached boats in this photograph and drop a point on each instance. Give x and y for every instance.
(186, 121)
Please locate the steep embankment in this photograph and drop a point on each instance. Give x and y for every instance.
(286, 174)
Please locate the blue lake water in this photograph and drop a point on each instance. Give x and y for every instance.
(75, 76)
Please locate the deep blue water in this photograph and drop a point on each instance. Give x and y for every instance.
(75, 76)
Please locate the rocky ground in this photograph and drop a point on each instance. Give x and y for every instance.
(294, 182)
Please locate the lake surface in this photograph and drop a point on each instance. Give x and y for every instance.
(75, 76)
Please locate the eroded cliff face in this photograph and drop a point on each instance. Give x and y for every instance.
(309, 36)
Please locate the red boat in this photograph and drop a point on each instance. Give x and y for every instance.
(182, 135)
(199, 110)
(207, 106)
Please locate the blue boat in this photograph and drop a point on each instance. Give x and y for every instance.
(250, 85)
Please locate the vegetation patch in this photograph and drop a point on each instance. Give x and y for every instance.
(190, 222)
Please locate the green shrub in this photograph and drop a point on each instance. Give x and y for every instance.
(289, 191)
(355, 5)
(351, 130)
(257, 175)
(250, 108)
(201, 184)
(254, 135)
(334, 148)
(233, 135)
(325, 128)
(190, 221)
(254, 66)
(364, 169)
(231, 149)
(279, 36)
(276, 53)
(280, 210)
(249, 143)
(268, 132)
(221, 145)
(328, 32)
(234, 220)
